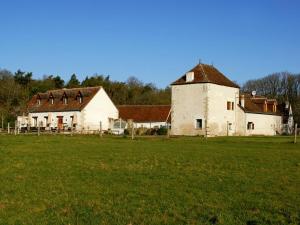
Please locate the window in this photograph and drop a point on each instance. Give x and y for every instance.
(39, 101)
(46, 121)
(65, 100)
(274, 108)
(229, 126)
(250, 126)
(52, 100)
(198, 123)
(230, 105)
(80, 99)
(265, 107)
(35, 121)
(119, 124)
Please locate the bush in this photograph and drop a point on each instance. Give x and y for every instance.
(126, 132)
(162, 131)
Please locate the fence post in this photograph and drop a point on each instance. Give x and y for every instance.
(100, 130)
(2, 124)
(38, 129)
(295, 138)
(132, 130)
(8, 128)
(227, 128)
(15, 131)
(168, 131)
(72, 127)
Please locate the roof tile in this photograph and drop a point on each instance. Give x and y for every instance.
(204, 73)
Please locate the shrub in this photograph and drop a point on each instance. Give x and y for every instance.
(162, 131)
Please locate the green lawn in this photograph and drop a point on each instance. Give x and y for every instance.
(88, 180)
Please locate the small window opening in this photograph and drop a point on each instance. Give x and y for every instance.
(230, 105)
(198, 123)
(250, 126)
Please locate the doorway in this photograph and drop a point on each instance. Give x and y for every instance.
(60, 122)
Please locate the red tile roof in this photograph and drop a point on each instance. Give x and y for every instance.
(72, 95)
(256, 105)
(206, 74)
(145, 113)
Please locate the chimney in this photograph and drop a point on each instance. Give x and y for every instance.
(189, 76)
(243, 101)
(287, 104)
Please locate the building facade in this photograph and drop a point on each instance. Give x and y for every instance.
(78, 109)
(205, 102)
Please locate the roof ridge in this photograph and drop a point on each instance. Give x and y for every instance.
(77, 88)
(141, 105)
(205, 78)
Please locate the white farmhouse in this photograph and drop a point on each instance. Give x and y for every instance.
(205, 102)
(81, 109)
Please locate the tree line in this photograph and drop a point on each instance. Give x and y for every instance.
(17, 88)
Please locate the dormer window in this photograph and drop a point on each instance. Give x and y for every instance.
(51, 100)
(65, 100)
(189, 77)
(79, 97)
(265, 107)
(38, 101)
(274, 107)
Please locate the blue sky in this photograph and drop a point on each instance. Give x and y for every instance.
(156, 41)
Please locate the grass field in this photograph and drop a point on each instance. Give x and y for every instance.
(88, 180)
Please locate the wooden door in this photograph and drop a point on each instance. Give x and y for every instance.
(60, 122)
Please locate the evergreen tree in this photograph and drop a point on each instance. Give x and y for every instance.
(73, 82)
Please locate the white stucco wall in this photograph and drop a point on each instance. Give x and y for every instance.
(204, 101)
(241, 125)
(67, 121)
(100, 108)
(149, 125)
(219, 117)
(264, 124)
(187, 105)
